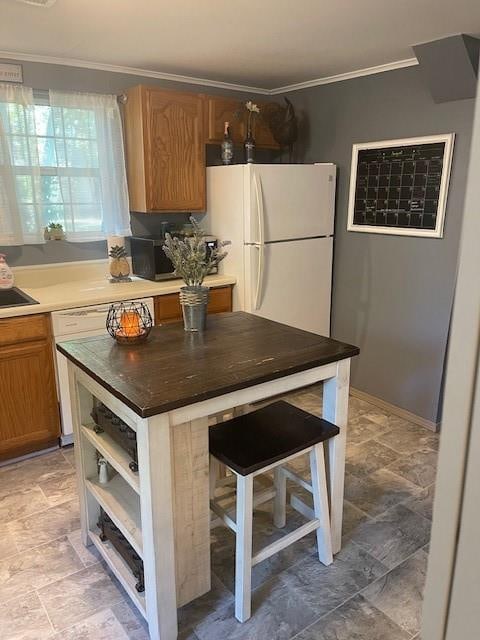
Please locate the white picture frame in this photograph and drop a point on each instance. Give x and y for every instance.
(11, 72)
(448, 140)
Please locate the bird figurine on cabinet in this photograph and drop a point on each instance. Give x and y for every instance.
(283, 124)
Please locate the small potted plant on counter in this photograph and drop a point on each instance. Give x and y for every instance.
(54, 231)
(192, 261)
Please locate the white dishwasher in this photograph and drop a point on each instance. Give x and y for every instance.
(82, 322)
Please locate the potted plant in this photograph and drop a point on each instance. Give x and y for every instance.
(192, 262)
(119, 267)
(54, 231)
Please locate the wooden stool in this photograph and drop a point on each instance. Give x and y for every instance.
(252, 444)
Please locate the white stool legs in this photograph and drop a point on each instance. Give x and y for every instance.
(283, 433)
(243, 551)
(320, 504)
(214, 475)
(319, 521)
(319, 490)
(280, 500)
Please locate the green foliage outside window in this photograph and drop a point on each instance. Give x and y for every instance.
(62, 143)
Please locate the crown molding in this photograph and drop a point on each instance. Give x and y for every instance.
(146, 73)
(350, 75)
(172, 77)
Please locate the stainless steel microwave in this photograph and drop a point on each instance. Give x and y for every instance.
(150, 262)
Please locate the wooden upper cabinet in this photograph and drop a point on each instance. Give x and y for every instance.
(220, 110)
(165, 150)
(263, 136)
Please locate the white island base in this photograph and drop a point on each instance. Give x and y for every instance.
(163, 509)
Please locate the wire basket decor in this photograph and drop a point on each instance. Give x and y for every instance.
(129, 322)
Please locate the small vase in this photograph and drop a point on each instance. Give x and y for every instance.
(102, 471)
(194, 302)
(249, 146)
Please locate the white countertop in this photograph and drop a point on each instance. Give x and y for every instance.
(79, 284)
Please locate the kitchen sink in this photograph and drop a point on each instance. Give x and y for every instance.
(14, 298)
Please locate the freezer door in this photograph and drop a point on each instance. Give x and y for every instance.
(290, 282)
(289, 201)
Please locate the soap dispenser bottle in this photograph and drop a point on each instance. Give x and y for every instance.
(6, 275)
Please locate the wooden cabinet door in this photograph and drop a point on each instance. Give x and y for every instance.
(29, 418)
(220, 300)
(24, 329)
(168, 308)
(221, 110)
(174, 151)
(263, 135)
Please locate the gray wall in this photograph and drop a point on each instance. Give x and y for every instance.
(49, 76)
(392, 295)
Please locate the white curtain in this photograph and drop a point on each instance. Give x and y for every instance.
(106, 159)
(16, 114)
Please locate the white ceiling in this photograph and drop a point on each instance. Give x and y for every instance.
(268, 43)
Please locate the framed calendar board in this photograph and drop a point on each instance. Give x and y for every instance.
(400, 186)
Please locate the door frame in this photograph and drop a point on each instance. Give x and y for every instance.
(452, 515)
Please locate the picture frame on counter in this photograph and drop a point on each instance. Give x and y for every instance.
(400, 187)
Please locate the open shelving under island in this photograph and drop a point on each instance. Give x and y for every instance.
(150, 519)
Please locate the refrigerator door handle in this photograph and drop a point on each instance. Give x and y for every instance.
(260, 245)
(258, 288)
(260, 212)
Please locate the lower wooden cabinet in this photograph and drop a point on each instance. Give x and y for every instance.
(29, 416)
(168, 309)
(29, 413)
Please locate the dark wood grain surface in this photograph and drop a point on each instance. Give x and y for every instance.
(264, 436)
(174, 368)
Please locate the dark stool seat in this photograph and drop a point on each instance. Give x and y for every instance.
(258, 439)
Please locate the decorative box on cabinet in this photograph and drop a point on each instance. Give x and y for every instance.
(165, 150)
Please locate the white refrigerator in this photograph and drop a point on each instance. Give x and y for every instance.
(279, 219)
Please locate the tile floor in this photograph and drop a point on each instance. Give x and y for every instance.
(52, 587)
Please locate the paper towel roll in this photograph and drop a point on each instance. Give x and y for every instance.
(115, 241)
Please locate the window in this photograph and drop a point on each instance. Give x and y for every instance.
(64, 155)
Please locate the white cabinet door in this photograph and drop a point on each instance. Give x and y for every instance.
(294, 286)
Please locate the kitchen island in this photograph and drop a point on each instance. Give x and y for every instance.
(162, 392)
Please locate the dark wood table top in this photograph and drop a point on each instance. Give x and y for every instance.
(173, 368)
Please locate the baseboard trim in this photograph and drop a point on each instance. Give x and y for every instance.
(27, 456)
(397, 411)
(66, 440)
